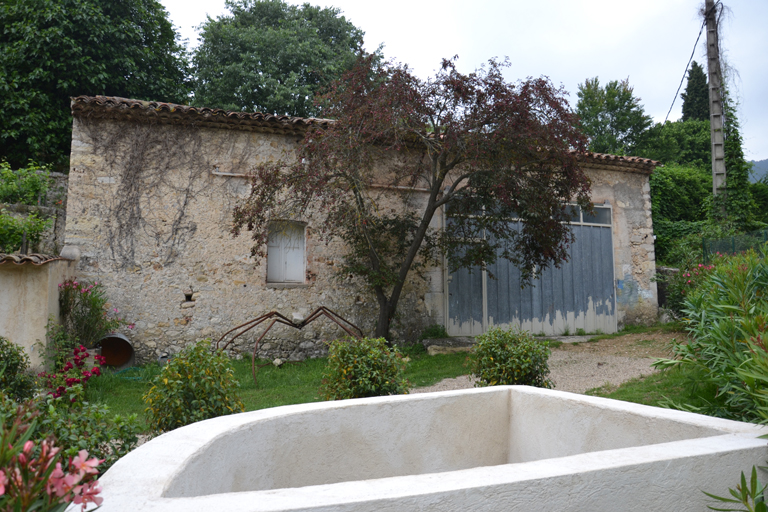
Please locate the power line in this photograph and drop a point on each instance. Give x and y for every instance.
(704, 24)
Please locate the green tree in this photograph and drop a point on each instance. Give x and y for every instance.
(272, 57)
(51, 50)
(680, 142)
(680, 193)
(611, 116)
(696, 95)
(486, 149)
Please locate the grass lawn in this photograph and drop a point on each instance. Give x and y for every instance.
(675, 385)
(289, 384)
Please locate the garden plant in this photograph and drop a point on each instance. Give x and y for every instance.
(505, 357)
(15, 379)
(196, 385)
(363, 368)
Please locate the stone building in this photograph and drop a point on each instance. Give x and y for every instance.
(151, 191)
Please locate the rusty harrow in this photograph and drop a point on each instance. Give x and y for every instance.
(273, 317)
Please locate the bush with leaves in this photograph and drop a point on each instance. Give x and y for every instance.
(27, 185)
(76, 426)
(727, 318)
(75, 372)
(33, 473)
(363, 368)
(84, 313)
(196, 385)
(13, 231)
(505, 357)
(15, 379)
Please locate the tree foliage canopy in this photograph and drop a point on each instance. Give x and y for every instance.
(272, 57)
(696, 95)
(679, 142)
(401, 148)
(611, 116)
(51, 50)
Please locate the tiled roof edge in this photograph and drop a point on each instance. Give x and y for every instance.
(631, 163)
(124, 108)
(33, 258)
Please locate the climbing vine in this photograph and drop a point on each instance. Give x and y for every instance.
(158, 170)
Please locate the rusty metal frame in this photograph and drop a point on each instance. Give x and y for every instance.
(275, 317)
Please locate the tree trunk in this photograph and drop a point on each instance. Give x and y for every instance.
(382, 325)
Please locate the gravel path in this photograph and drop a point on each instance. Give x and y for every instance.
(578, 367)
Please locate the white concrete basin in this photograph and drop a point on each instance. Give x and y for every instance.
(505, 448)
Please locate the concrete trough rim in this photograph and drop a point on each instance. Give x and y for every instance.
(155, 465)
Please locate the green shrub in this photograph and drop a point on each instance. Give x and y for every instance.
(433, 331)
(503, 357)
(77, 426)
(12, 230)
(196, 385)
(84, 314)
(27, 185)
(727, 317)
(15, 379)
(363, 368)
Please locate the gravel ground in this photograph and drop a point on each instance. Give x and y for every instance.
(579, 366)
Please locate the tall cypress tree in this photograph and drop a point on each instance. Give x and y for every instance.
(696, 95)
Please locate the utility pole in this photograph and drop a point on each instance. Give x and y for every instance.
(715, 98)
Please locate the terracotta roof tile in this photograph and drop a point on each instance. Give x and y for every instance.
(114, 107)
(33, 258)
(636, 163)
(123, 108)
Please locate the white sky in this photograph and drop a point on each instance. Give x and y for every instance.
(567, 40)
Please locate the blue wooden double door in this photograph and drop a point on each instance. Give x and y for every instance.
(578, 295)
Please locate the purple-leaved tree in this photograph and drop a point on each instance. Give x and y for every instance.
(400, 149)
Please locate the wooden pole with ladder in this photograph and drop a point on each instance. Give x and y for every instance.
(715, 97)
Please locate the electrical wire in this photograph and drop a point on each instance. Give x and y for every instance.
(704, 24)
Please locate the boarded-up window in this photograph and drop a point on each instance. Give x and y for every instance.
(285, 252)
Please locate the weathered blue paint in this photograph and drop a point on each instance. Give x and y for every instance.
(578, 295)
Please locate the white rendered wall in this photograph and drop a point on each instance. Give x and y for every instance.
(503, 448)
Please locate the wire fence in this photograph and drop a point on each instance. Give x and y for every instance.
(735, 244)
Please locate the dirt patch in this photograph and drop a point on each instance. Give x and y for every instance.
(639, 345)
(578, 367)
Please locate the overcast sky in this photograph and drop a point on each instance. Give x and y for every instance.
(649, 42)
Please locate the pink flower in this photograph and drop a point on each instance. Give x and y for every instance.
(60, 483)
(87, 493)
(3, 482)
(85, 467)
(131, 326)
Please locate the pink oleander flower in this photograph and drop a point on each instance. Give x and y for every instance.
(84, 465)
(61, 483)
(88, 493)
(3, 482)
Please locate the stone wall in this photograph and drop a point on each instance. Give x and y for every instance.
(180, 241)
(149, 215)
(629, 193)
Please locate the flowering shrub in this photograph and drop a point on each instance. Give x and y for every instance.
(84, 312)
(196, 385)
(726, 316)
(686, 281)
(362, 368)
(508, 357)
(77, 426)
(15, 379)
(33, 474)
(72, 373)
